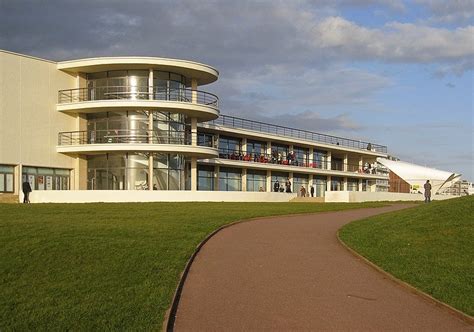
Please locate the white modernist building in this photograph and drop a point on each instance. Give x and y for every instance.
(141, 129)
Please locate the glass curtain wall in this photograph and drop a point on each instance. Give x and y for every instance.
(319, 183)
(301, 156)
(256, 180)
(255, 149)
(337, 164)
(132, 127)
(230, 179)
(169, 86)
(279, 153)
(282, 177)
(118, 84)
(300, 180)
(352, 184)
(337, 183)
(169, 128)
(205, 178)
(230, 147)
(320, 159)
(129, 171)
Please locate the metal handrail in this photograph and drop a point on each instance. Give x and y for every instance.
(235, 122)
(130, 136)
(137, 93)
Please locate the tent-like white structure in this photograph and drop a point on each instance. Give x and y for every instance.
(416, 175)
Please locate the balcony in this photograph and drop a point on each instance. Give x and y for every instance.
(261, 127)
(100, 141)
(267, 160)
(200, 104)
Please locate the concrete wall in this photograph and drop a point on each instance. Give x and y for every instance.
(91, 196)
(363, 196)
(29, 122)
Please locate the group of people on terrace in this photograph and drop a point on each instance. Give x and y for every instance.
(275, 158)
(278, 188)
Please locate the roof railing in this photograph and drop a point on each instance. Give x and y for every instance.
(235, 122)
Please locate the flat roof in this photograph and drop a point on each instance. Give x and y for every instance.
(205, 74)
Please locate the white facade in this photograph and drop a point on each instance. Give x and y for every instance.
(125, 124)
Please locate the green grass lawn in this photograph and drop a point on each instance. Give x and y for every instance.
(431, 247)
(107, 266)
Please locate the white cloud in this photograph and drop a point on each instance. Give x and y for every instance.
(395, 42)
(449, 11)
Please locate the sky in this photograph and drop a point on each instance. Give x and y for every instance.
(395, 73)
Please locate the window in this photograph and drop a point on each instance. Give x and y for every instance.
(230, 179)
(337, 183)
(256, 180)
(301, 156)
(319, 183)
(320, 159)
(205, 139)
(229, 147)
(256, 148)
(336, 164)
(41, 178)
(300, 180)
(6, 179)
(129, 171)
(281, 177)
(205, 177)
(352, 184)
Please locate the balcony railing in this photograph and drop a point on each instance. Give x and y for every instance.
(265, 158)
(137, 93)
(234, 122)
(131, 137)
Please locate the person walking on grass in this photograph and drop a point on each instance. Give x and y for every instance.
(427, 187)
(26, 192)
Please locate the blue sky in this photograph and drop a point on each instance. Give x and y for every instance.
(397, 73)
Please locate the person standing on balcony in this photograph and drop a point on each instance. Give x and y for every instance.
(26, 191)
(427, 187)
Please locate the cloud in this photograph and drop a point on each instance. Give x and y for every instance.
(395, 42)
(452, 11)
(241, 35)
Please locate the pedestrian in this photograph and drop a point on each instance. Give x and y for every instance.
(427, 187)
(26, 192)
(312, 191)
(276, 186)
(288, 185)
(303, 191)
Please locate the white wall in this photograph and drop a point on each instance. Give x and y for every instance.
(364, 196)
(92, 196)
(29, 121)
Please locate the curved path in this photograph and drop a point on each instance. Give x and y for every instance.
(291, 273)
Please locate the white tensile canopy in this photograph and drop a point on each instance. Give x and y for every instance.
(416, 175)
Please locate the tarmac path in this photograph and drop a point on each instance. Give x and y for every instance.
(291, 273)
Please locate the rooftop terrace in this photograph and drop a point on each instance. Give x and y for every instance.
(235, 122)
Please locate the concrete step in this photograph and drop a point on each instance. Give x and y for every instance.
(308, 200)
(8, 198)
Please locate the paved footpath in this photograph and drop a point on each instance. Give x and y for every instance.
(291, 273)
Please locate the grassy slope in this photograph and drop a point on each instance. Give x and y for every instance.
(107, 266)
(431, 247)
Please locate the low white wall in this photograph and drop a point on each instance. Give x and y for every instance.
(365, 196)
(93, 196)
